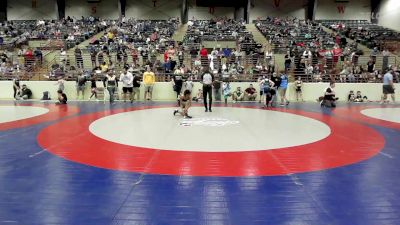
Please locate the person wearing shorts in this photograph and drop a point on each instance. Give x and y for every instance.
(127, 84)
(267, 86)
(185, 101)
(388, 86)
(80, 85)
(149, 80)
(282, 89)
(299, 86)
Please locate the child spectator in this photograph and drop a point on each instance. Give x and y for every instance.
(238, 95)
(226, 88)
(62, 98)
(360, 98)
(351, 97)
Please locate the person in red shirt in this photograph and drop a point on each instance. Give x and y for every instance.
(203, 52)
(166, 56)
(337, 52)
(250, 93)
(29, 60)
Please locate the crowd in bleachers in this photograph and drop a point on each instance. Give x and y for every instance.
(67, 31)
(362, 31)
(128, 41)
(220, 29)
(287, 33)
(319, 56)
(309, 50)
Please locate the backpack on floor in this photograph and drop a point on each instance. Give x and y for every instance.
(46, 96)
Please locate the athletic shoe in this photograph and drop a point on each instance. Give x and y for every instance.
(210, 110)
(175, 112)
(206, 110)
(187, 117)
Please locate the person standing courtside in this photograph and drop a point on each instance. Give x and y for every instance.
(388, 86)
(127, 84)
(111, 82)
(207, 80)
(149, 79)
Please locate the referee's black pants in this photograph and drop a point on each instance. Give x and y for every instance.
(207, 91)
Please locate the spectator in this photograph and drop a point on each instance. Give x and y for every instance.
(80, 85)
(288, 62)
(299, 87)
(16, 87)
(149, 80)
(283, 87)
(351, 97)
(388, 86)
(226, 88)
(360, 98)
(25, 93)
(344, 73)
(127, 84)
(93, 86)
(111, 83)
(78, 58)
(188, 84)
(217, 89)
(62, 98)
(199, 95)
(250, 93)
(136, 87)
(238, 95)
(60, 83)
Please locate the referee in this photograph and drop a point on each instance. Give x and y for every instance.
(207, 80)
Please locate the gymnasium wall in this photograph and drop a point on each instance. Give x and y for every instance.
(204, 13)
(104, 9)
(353, 10)
(264, 8)
(144, 9)
(164, 9)
(29, 10)
(163, 90)
(389, 14)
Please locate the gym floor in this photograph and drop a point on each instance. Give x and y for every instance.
(94, 163)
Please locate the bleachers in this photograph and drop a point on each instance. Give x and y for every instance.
(364, 32)
(284, 34)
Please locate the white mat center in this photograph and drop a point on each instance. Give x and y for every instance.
(223, 130)
(14, 113)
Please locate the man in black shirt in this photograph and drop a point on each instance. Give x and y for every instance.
(277, 81)
(25, 93)
(136, 86)
(62, 98)
(207, 79)
(177, 81)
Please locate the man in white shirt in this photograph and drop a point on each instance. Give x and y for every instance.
(207, 80)
(127, 84)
